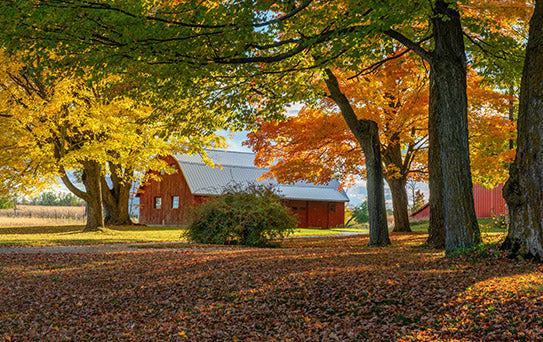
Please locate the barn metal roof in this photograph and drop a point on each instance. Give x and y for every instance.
(238, 168)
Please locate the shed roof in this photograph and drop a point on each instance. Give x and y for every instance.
(238, 168)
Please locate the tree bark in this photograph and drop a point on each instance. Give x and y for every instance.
(436, 228)
(392, 155)
(91, 195)
(116, 198)
(523, 191)
(399, 204)
(367, 134)
(92, 181)
(449, 70)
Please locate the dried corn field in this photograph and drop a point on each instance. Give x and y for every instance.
(25, 215)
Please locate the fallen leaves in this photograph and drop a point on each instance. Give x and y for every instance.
(325, 289)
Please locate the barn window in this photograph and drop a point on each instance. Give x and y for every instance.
(302, 208)
(158, 202)
(332, 207)
(175, 202)
(162, 172)
(174, 168)
(294, 208)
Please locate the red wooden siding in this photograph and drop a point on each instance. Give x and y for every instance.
(318, 214)
(421, 214)
(312, 214)
(336, 215)
(299, 209)
(488, 203)
(170, 185)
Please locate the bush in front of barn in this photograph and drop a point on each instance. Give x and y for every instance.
(247, 215)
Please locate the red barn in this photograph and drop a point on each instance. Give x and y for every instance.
(488, 203)
(169, 201)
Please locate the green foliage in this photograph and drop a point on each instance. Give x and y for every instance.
(482, 250)
(360, 212)
(53, 199)
(6, 202)
(245, 215)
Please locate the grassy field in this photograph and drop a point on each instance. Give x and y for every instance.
(486, 225)
(17, 231)
(42, 232)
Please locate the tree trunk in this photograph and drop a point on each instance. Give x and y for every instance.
(92, 181)
(392, 155)
(449, 70)
(524, 189)
(95, 218)
(399, 204)
(116, 198)
(91, 195)
(116, 207)
(367, 134)
(436, 228)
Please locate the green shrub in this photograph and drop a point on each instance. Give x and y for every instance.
(246, 215)
(482, 250)
(360, 213)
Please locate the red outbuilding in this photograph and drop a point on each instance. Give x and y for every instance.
(170, 200)
(488, 203)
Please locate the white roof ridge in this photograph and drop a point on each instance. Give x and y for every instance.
(224, 165)
(223, 151)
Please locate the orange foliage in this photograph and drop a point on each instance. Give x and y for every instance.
(490, 133)
(316, 145)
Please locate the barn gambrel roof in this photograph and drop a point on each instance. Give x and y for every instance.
(238, 168)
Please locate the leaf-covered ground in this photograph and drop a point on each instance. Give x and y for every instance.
(320, 289)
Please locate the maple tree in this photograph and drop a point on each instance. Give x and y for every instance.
(492, 133)
(316, 145)
(62, 126)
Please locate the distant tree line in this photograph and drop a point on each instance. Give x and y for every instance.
(55, 199)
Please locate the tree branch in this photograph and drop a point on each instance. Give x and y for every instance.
(75, 190)
(426, 55)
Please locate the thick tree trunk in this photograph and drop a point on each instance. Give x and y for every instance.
(449, 70)
(95, 218)
(91, 195)
(92, 181)
(436, 228)
(116, 198)
(524, 189)
(116, 207)
(367, 134)
(399, 204)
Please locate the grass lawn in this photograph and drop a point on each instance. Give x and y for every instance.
(52, 235)
(485, 225)
(73, 235)
(319, 289)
